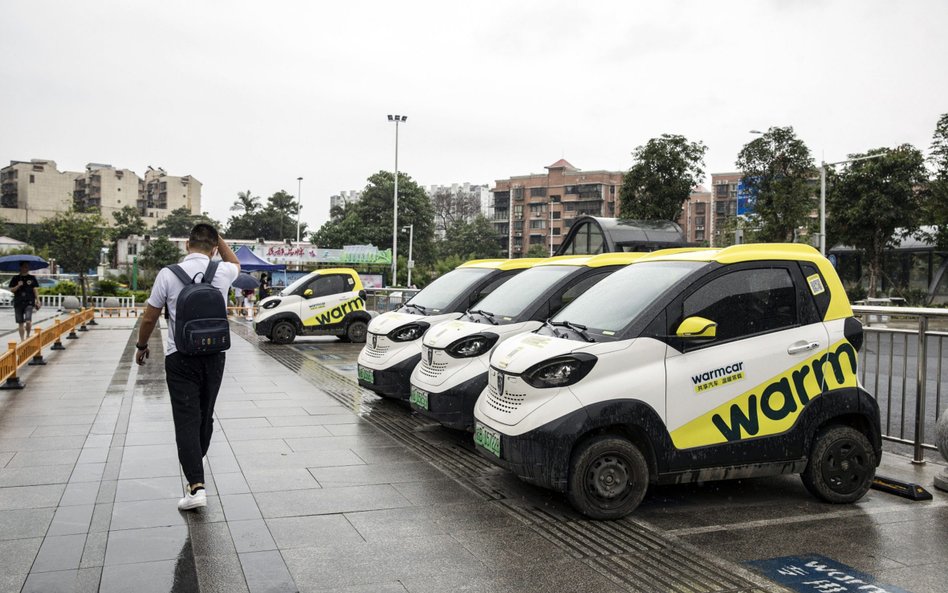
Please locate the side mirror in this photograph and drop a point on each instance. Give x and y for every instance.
(362, 294)
(697, 329)
(308, 292)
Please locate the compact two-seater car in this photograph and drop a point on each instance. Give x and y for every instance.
(702, 365)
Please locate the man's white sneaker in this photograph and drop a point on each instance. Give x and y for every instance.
(193, 500)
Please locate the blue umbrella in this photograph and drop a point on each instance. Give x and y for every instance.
(245, 281)
(11, 263)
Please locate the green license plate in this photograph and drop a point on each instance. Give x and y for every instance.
(367, 375)
(419, 398)
(487, 438)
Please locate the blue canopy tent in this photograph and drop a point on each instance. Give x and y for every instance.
(250, 262)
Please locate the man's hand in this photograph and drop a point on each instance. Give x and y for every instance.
(37, 306)
(141, 356)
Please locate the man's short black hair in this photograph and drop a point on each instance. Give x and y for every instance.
(203, 237)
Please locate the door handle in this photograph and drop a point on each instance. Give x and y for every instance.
(799, 347)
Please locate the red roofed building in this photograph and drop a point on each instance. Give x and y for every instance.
(538, 209)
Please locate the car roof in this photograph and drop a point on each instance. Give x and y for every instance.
(503, 264)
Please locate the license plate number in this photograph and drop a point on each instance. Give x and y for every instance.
(367, 375)
(419, 398)
(487, 438)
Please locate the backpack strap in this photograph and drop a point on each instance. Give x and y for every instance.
(181, 274)
(209, 274)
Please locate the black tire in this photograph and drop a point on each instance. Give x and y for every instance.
(283, 332)
(608, 477)
(356, 332)
(841, 467)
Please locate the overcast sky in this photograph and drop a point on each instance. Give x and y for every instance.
(252, 95)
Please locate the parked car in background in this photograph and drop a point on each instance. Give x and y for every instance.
(6, 298)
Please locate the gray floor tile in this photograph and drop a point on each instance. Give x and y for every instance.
(25, 523)
(149, 452)
(266, 573)
(239, 507)
(276, 480)
(230, 483)
(282, 432)
(34, 476)
(44, 457)
(94, 552)
(18, 555)
(305, 459)
(260, 446)
(212, 540)
(80, 493)
(150, 577)
(251, 536)
(386, 587)
(313, 531)
(294, 503)
(71, 520)
(132, 546)
(60, 553)
(148, 489)
(30, 497)
(68, 581)
(150, 468)
(149, 513)
(220, 574)
(435, 492)
(11, 582)
(87, 472)
(393, 473)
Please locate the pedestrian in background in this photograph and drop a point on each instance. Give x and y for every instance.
(193, 381)
(25, 299)
(264, 286)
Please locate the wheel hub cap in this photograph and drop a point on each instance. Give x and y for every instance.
(845, 466)
(608, 477)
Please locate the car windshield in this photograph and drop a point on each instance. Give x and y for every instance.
(296, 284)
(612, 304)
(440, 293)
(512, 297)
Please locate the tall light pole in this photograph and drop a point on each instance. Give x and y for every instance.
(299, 205)
(397, 119)
(823, 165)
(411, 240)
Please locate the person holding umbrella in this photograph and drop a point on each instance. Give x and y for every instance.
(25, 299)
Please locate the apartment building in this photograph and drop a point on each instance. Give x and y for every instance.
(343, 198)
(696, 216)
(32, 191)
(539, 208)
(458, 202)
(724, 193)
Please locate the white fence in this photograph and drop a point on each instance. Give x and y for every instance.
(56, 301)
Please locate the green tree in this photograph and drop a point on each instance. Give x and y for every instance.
(660, 180)
(936, 206)
(246, 203)
(159, 252)
(778, 169)
(128, 222)
(538, 250)
(875, 203)
(275, 221)
(369, 221)
(75, 242)
(470, 240)
(180, 221)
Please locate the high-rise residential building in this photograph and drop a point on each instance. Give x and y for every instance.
(539, 208)
(723, 215)
(32, 191)
(458, 202)
(696, 215)
(344, 198)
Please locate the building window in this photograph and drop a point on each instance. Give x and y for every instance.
(557, 215)
(699, 222)
(554, 198)
(537, 209)
(720, 190)
(699, 208)
(537, 192)
(538, 224)
(32, 178)
(556, 230)
(699, 235)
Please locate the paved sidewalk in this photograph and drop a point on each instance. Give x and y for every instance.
(315, 485)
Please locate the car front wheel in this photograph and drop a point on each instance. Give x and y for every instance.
(608, 477)
(841, 467)
(283, 332)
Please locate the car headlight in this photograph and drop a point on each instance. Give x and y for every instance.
(560, 371)
(271, 304)
(408, 333)
(471, 346)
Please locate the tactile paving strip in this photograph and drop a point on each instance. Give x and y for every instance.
(632, 555)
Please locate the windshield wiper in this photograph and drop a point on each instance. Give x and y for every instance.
(579, 329)
(421, 309)
(552, 327)
(485, 314)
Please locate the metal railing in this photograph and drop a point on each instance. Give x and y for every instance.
(387, 299)
(901, 364)
(56, 301)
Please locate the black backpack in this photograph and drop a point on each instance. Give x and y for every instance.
(200, 325)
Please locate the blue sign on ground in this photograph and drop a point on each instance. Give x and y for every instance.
(746, 197)
(819, 574)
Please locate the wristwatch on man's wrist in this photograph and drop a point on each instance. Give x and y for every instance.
(142, 346)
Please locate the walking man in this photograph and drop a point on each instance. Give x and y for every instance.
(193, 381)
(25, 299)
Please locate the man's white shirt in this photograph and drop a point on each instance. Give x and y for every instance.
(167, 286)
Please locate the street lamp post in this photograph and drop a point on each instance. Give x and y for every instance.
(411, 240)
(397, 119)
(823, 165)
(299, 205)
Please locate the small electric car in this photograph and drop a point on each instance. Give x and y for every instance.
(709, 365)
(328, 302)
(455, 354)
(393, 346)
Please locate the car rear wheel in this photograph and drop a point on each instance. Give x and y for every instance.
(356, 332)
(283, 332)
(841, 467)
(608, 478)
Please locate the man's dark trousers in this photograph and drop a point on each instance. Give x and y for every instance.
(193, 383)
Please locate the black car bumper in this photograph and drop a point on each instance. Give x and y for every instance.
(394, 381)
(455, 408)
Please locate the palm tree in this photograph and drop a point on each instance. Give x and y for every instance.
(246, 202)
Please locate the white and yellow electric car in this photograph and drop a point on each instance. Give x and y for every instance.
(455, 354)
(393, 346)
(329, 302)
(709, 365)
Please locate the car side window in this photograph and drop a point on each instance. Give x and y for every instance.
(557, 303)
(746, 302)
(489, 287)
(327, 285)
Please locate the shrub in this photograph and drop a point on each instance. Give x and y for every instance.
(110, 288)
(64, 287)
